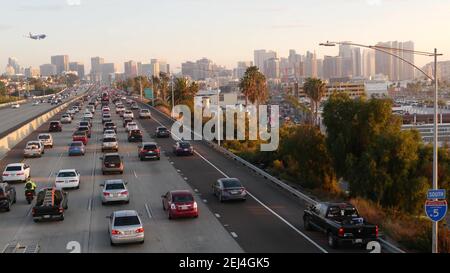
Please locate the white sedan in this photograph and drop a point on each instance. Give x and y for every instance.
(16, 172)
(69, 178)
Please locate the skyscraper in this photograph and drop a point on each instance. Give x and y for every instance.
(241, 68)
(48, 70)
(155, 67)
(12, 62)
(108, 72)
(368, 63)
(77, 67)
(394, 68)
(272, 68)
(261, 56)
(96, 68)
(61, 62)
(130, 69)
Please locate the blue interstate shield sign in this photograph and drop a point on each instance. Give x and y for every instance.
(436, 210)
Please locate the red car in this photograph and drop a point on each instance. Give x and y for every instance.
(80, 136)
(179, 204)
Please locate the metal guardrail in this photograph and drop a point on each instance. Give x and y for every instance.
(387, 245)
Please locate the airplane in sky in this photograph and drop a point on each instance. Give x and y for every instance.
(37, 36)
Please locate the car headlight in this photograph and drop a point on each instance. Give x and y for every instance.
(172, 206)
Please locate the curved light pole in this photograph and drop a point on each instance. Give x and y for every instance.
(390, 51)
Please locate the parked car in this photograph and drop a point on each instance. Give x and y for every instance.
(341, 223)
(135, 135)
(115, 191)
(149, 150)
(179, 203)
(110, 143)
(46, 139)
(229, 189)
(16, 172)
(7, 196)
(80, 136)
(125, 226)
(112, 162)
(183, 148)
(34, 148)
(162, 132)
(50, 204)
(77, 148)
(144, 114)
(55, 126)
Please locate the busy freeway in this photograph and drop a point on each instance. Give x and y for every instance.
(30, 109)
(268, 220)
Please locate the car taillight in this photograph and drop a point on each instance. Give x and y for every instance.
(115, 232)
(61, 210)
(34, 211)
(173, 206)
(341, 232)
(139, 230)
(59, 181)
(376, 231)
(157, 150)
(124, 192)
(20, 173)
(5, 174)
(106, 194)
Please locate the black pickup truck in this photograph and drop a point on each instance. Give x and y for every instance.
(50, 204)
(341, 223)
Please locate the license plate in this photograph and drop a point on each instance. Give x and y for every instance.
(358, 241)
(112, 165)
(234, 192)
(183, 207)
(186, 150)
(129, 232)
(46, 216)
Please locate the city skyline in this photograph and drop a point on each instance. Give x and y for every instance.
(84, 28)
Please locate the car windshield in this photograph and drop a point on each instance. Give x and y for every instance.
(109, 139)
(126, 221)
(114, 159)
(33, 144)
(181, 198)
(109, 124)
(161, 129)
(76, 144)
(13, 168)
(44, 137)
(78, 133)
(150, 147)
(67, 174)
(145, 111)
(115, 186)
(232, 183)
(54, 123)
(110, 132)
(135, 132)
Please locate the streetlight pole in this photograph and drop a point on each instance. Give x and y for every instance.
(435, 54)
(218, 116)
(173, 98)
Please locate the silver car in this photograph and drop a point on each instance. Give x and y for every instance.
(125, 226)
(46, 139)
(34, 149)
(115, 191)
(229, 189)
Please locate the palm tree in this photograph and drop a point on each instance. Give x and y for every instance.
(314, 89)
(155, 84)
(184, 92)
(254, 86)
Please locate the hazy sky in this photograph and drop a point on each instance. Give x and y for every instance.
(225, 31)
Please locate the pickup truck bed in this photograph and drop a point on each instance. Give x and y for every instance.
(50, 204)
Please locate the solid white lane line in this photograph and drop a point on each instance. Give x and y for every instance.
(260, 202)
(217, 215)
(90, 204)
(135, 175)
(233, 234)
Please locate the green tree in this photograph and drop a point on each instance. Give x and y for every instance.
(164, 85)
(184, 92)
(156, 86)
(314, 89)
(3, 91)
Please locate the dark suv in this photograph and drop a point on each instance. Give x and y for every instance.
(135, 135)
(162, 132)
(112, 162)
(55, 126)
(149, 150)
(7, 196)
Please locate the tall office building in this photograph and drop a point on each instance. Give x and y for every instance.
(239, 71)
(108, 72)
(155, 67)
(96, 68)
(14, 64)
(163, 66)
(130, 69)
(261, 56)
(31, 72)
(394, 68)
(61, 62)
(272, 68)
(146, 70)
(368, 63)
(332, 67)
(187, 69)
(310, 65)
(48, 70)
(77, 67)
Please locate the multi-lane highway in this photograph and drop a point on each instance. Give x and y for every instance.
(269, 221)
(85, 220)
(11, 117)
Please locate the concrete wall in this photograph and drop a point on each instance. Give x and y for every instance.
(12, 139)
